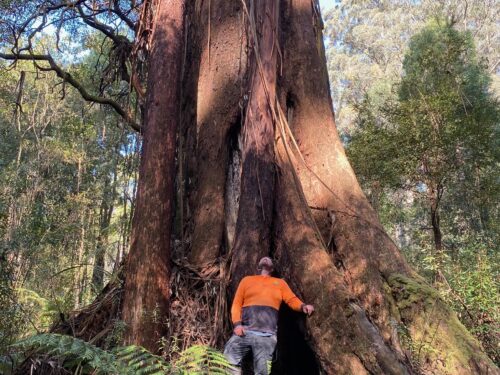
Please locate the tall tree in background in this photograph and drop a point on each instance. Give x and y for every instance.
(435, 146)
(59, 158)
(443, 122)
(367, 42)
(452, 116)
(260, 163)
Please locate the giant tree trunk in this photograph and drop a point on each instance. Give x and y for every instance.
(264, 172)
(255, 207)
(147, 293)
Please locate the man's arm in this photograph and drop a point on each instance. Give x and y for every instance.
(237, 305)
(293, 301)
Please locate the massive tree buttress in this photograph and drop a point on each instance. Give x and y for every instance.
(240, 147)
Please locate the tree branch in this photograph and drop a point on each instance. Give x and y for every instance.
(77, 85)
(117, 10)
(105, 29)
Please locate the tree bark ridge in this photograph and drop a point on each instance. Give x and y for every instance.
(255, 213)
(147, 291)
(219, 44)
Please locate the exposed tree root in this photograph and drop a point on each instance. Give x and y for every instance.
(199, 306)
(198, 311)
(373, 315)
(95, 322)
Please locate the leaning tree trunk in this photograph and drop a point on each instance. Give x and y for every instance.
(262, 171)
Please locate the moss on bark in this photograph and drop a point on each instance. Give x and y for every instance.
(437, 341)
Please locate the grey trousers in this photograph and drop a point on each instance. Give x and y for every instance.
(262, 348)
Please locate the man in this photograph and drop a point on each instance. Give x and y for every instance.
(255, 317)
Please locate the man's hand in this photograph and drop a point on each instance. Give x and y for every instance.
(308, 309)
(239, 331)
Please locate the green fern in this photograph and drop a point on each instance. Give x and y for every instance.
(201, 359)
(74, 353)
(137, 360)
(82, 357)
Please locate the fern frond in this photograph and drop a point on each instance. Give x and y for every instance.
(74, 352)
(201, 359)
(128, 360)
(141, 361)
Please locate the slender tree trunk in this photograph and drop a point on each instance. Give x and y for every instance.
(106, 211)
(434, 199)
(105, 215)
(78, 272)
(147, 292)
(434, 195)
(77, 282)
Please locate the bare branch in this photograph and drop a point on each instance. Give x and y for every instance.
(105, 29)
(117, 10)
(73, 82)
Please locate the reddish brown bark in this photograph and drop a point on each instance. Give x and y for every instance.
(216, 78)
(337, 257)
(349, 225)
(343, 338)
(145, 306)
(255, 214)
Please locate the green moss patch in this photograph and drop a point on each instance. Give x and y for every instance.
(434, 336)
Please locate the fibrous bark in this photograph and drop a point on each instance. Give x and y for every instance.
(264, 172)
(255, 214)
(215, 90)
(147, 293)
(342, 336)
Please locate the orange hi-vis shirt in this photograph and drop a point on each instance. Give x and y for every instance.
(257, 301)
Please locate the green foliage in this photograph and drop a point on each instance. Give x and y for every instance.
(10, 321)
(369, 150)
(439, 130)
(200, 360)
(41, 310)
(366, 42)
(67, 181)
(81, 357)
(444, 119)
(138, 360)
(439, 136)
(474, 291)
(73, 354)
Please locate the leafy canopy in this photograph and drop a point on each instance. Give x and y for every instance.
(444, 116)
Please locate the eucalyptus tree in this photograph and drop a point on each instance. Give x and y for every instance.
(441, 128)
(238, 96)
(367, 41)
